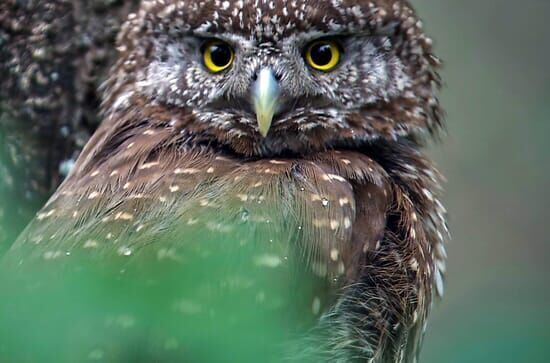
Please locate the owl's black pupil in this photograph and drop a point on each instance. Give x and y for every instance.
(220, 54)
(321, 54)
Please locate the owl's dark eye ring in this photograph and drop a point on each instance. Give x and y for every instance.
(323, 55)
(217, 55)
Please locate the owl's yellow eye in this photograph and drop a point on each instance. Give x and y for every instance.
(323, 55)
(217, 55)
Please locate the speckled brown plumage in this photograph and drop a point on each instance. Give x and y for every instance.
(339, 183)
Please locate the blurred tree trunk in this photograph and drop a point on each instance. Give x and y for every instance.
(53, 56)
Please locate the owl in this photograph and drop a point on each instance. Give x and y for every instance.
(294, 125)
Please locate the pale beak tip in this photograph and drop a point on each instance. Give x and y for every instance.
(264, 125)
(264, 133)
(266, 94)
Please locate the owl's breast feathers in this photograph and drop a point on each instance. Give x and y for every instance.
(331, 207)
(355, 220)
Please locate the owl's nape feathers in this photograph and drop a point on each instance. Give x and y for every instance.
(301, 121)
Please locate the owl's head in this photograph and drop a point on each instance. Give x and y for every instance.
(268, 77)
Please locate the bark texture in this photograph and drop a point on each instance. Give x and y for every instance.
(53, 57)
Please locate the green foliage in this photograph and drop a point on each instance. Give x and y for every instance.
(220, 307)
(192, 295)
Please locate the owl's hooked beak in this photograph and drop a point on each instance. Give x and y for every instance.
(265, 94)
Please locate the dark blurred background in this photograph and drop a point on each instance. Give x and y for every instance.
(496, 157)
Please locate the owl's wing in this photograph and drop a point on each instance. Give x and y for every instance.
(415, 254)
(381, 316)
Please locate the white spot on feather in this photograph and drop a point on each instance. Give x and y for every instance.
(271, 261)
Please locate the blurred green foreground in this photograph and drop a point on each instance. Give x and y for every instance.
(209, 299)
(215, 306)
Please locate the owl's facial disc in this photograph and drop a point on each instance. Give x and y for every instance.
(265, 94)
(330, 74)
